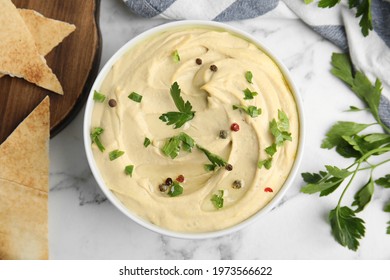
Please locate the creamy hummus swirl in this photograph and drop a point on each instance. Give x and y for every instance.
(149, 70)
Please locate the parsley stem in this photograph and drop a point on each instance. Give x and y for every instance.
(373, 166)
(349, 183)
(359, 162)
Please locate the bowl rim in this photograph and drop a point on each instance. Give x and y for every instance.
(88, 116)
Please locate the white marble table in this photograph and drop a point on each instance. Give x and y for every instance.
(83, 224)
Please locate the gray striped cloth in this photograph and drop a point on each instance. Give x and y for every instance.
(339, 25)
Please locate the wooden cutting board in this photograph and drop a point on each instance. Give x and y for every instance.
(75, 62)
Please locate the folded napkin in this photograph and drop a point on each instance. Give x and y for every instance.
(339, 25)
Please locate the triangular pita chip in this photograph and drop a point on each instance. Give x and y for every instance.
(24, 185)
(18, 53)
(47, 32)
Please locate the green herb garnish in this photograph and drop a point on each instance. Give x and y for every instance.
(115, 154)
(129, 170)
(349, 141)
(175, 189)
(249, 94)
(135, 97)
(146, 142)
(252, 111)
(172, 147)
(216, 161)
(280, 130)
(248, 76)
(98, 97)
(363, 9)
(178, 119)
(176, 56)
(185, 142)
(95, 137)
(217, 199)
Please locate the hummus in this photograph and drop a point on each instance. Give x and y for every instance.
(149, 69)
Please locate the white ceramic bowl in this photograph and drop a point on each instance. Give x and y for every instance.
(87, 128)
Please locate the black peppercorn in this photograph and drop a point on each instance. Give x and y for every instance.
(229, 167)
(168, 181)
(237, 184)
(198, 61)
(112, 102)
(223, 134)
(213, 68)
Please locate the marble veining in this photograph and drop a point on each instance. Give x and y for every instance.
(83, 224)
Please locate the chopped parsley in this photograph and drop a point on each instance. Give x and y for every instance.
(115, 154)
(176, 56)
(172, 146)
(280, 130)
(175, 189)
(248, 76)
(185, 114)
(252, 111)
(129, 170)
(249, 94)
(98, 97)
(95, 136)
(146, 142)
(135, 97)
(216, 161)
(217, 199)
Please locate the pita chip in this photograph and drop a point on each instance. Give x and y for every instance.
(24, 185)
(19, 55)
(47, 33)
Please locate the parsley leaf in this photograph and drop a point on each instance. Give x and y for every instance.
(327, 3)
(267, 163)
(252, 111)
(217, 199)
(280, 130)
(135, 97)
(95, 136)
(172, 147)
(363, 8)
(176, 56)
(97, 96)
(185, 114)
(359, 84)
(115, 154)
(248, 76)
(175, 189)
(364, 195)
(129, 170)
(216, 161)
(384, 181)
(146, 142)
(249, 94)
(346, 227)
(335, 135)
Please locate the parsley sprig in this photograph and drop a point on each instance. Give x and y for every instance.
(185, 142)
(348, 139)
(173, 145)
(363, 9)
(252, 111)
(95, 137)
(280, 130)
(216, 161)
(185, 114)
(217, 199)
